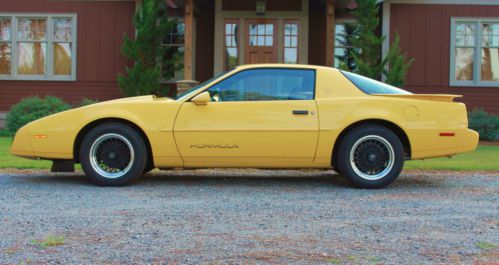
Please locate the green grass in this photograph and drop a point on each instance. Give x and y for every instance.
(485, 245)
(49, 241)
(484, 158)
(9, 161)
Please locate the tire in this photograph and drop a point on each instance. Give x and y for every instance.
(371, 156)
(113, 154)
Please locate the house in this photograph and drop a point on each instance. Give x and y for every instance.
(71, 49)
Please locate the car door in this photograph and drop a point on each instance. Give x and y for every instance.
(259, 117)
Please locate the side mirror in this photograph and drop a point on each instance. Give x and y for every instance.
(202, 99)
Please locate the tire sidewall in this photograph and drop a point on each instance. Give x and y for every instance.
(137, 143)
(346, 147)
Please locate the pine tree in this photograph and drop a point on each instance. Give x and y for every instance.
(366, 53)
(397, 64)
(144, 77)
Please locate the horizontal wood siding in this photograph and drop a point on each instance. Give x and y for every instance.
(425, 35)
(101, 27)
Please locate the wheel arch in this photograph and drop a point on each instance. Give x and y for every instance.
(83, 131)
(401, 134)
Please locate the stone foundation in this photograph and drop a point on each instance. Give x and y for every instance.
(184, 85)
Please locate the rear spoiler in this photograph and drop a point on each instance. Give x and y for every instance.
(434, 97)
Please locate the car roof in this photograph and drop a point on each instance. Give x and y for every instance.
(281, 65)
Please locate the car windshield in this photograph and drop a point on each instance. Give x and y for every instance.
(371, 86)
(187, 92)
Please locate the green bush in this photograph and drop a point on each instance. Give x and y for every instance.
(32, 108)
(4, 133)
(87, 101)
(487, 125)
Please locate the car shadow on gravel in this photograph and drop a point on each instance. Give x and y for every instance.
(285, 178)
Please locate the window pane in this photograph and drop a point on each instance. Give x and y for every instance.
(340, 55)
(464, 63)
(176, 34)
(269, 41)
(31, 58)
(230, 58)
(290, 55)
(5, 29)
(5, 58)
(31, 29)
(269, 29)
(62, 58)
(62, 29)
(371, 86)
(260, 41)
(261, 29)
(490, 64)
(266, 84)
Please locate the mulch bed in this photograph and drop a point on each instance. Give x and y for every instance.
(489, 143)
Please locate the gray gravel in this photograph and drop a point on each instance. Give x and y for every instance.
(212, 217)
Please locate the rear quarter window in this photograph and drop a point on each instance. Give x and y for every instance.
(371, 86)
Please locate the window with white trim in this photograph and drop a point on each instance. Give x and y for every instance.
(174, 41)
(343, 32)
(37, 47)
(474, 52)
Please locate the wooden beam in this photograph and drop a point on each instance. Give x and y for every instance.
(330, 27)
(188, 20)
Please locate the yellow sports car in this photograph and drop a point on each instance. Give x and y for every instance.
(264, 116)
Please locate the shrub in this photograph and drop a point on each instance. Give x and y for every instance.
(146, 50)
(487, 125)
(87, 101)
(32, 108)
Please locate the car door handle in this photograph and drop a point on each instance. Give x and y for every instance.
(300, 112)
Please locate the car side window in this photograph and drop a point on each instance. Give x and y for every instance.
(266, 84)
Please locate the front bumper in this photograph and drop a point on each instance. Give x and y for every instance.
(22, 145)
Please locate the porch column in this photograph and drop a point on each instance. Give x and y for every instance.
(330, 27)
(188, 20)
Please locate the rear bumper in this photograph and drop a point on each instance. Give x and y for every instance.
(430, 144)
(466, 141)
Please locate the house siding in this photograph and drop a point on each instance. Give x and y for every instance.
(101, 26)
(424, 31)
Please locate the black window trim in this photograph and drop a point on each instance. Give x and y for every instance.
(262, 68)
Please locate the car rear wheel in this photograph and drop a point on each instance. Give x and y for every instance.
(113, 154)
(371, 156)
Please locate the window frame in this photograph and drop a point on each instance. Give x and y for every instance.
(341, 21)
(261, 68)
(238, 42)
(49, 73)
(477, 55)
(174, 79)
(298, 32)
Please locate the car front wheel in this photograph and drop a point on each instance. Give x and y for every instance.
(371, 156)
(113, 154)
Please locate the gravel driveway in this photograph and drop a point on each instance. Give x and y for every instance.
(303, 217)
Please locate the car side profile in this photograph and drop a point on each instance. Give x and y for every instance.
(264, 116)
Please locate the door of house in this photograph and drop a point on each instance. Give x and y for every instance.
(261, 41)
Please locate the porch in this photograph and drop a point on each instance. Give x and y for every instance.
(217, 35)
